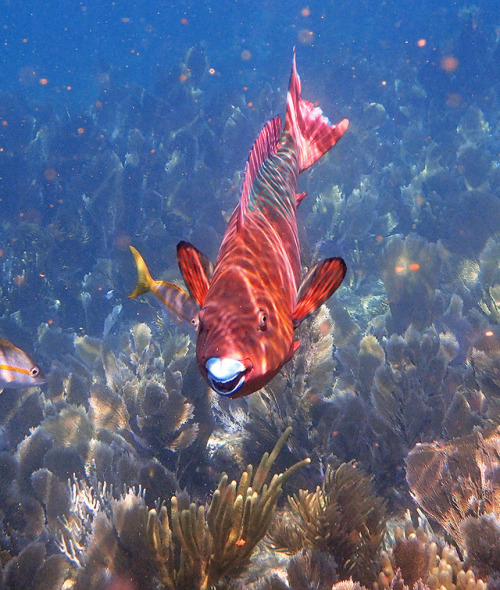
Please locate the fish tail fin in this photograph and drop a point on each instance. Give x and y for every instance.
(313, 132)
(144, 279)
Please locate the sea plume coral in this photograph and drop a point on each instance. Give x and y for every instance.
(343, 518)
(410, 269)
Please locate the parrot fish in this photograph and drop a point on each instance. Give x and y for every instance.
(247, 306)
(17, 370)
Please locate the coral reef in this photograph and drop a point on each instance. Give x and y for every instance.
(416, 561)
(187, 546)
(399, 374)
(342, 518)
(455, 480)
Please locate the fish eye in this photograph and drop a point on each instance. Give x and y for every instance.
(262, 320)
(34, 371)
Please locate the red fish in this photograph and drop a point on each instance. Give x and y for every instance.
(249, 304)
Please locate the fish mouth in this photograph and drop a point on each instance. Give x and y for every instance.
(225, 375)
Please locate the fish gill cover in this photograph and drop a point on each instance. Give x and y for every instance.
(124, 122)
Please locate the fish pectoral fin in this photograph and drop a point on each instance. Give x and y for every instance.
(293, 348)
(321, 281)
(175, 298)
(197, 270)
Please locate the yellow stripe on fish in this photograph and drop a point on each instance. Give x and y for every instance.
(17, 370)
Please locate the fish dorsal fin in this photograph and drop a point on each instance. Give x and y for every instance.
(320, 282)
(197, 270)
(175, 298)
(265, 145)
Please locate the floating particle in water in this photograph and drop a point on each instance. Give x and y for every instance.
(27, 76)
(305, 36)
(50, 174)
(306, 11)
(421, 42)
(245, 55)
(449, 63)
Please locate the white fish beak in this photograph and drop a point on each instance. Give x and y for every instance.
(225, 375)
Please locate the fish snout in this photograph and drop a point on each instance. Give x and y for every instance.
(225, 375)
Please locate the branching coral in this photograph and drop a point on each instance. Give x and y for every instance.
(190, 548)
(417, 561)
(343, 518)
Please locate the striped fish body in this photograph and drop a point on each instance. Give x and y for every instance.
(253, 299)
(247, 313)
(17, 370)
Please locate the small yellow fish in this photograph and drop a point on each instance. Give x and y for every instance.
(17, 370)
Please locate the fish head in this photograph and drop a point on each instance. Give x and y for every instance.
(242, 345)
(18, 371)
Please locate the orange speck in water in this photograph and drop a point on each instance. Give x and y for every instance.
(245, 55)
(399, 269)
(211, 71)
(379, 239)
(183, 78)
(384, 83)
(306, 11)
(80, 130)
(184, 21)
(414, 266)
(245, 88)
(419, 200)
(98, 104)
(240, 542)
(250, 104)
(305, 36)
(50, 321)
(5, 123)
(421, 42)
(69, 88)
(50, 174)
(335, 432)
(2, 252)
(43, 81)
(488, 333)
(449, 63)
